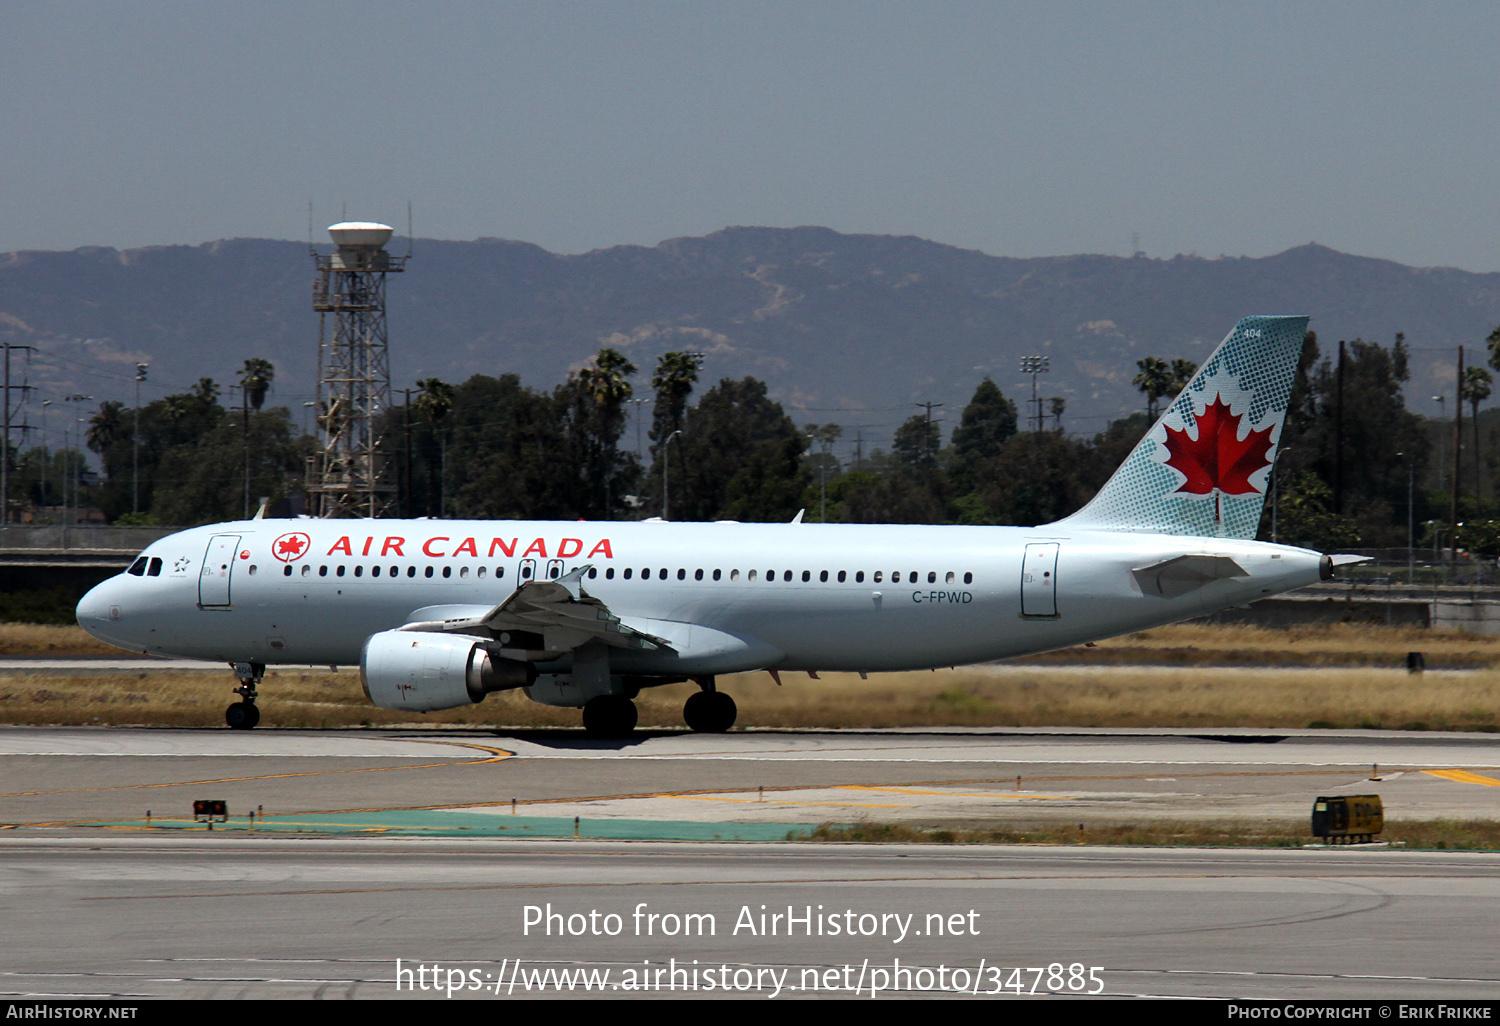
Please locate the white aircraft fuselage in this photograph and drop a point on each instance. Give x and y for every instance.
(727, 597)
(439, 613)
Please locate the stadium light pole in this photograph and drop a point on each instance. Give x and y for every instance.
(135, 442)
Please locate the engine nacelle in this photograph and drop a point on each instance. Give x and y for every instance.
(420, 671)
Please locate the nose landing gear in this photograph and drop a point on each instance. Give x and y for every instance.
(245, 714)
(709, 711)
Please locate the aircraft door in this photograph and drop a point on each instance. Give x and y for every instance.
(554, 569)
(525, 572)
(1039, 580)
(218, 566)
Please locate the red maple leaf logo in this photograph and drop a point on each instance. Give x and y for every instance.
(289, 546)
(1218, 458)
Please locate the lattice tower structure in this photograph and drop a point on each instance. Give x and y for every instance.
(345, 477)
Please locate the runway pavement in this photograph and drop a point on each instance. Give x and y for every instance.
(227, 917)
(78, 775)
(103, 905)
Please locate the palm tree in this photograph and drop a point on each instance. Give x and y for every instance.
(606, 387)
(1155, 379)
(433, 403)
(105, 426)
(1182, 373)
(1476, 389)
(676, 374)
(255, 379)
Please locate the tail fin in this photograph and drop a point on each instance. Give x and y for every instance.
(1203, 468)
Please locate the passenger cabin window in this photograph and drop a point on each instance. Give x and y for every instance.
(322, 571)
(968, 578)
(752, 574)
(138, 567)
(734, 575)
(682, 574)
(949, 578)
(859, 577)
(359, 571)
(340, 571)
(842, 575)
(609, 573)
(252, 569)
(306, 569)
(697, 575)
(716, 574)
(593, 572)
(428, 572)
(287, 570)
(447, 571)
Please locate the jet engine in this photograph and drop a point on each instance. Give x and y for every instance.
(419, 671)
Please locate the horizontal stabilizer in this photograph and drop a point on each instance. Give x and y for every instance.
(1182, 574)
(1345, 559)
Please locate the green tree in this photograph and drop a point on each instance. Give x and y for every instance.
(719, 435)
(676, 375)
(1155, 380)
(917, 442)
(989, 421)
(1477, 386)
(256, 378)
(598, 424)
(434, 400)
(200, 482)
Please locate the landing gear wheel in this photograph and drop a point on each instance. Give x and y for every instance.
(609, 716)
(242, 715)
(710, 712)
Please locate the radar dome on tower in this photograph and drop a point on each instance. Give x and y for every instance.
(351, 234)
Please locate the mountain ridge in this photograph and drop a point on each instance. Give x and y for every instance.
(848, 326)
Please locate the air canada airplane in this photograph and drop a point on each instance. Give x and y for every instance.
(439, 613)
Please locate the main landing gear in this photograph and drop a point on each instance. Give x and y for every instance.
(609, 716)
(245, 714)
(709, 711)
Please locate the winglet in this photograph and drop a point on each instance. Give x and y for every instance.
(573, 580)
(798, 518)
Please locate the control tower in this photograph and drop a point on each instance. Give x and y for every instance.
(354, 373)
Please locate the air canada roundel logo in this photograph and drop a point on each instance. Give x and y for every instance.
(291, 547)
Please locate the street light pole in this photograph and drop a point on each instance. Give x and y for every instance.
(666, 470)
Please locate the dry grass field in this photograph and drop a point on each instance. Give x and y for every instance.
(1452, 834)
(1185, 676)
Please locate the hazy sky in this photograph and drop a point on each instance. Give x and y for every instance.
(1019, 129)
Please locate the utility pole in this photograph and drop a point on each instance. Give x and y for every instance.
(1458, 438)
(1441, 400)
(927, 438)
(1338, 435)
(135, 442)
(5, 461)
(406, 488)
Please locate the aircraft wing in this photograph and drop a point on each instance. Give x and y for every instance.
(543, 619)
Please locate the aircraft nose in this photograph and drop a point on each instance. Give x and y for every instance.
(99, 613)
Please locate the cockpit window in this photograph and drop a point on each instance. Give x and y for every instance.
(138, 567)
(155, 568)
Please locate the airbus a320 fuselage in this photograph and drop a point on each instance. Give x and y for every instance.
(438, 613)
